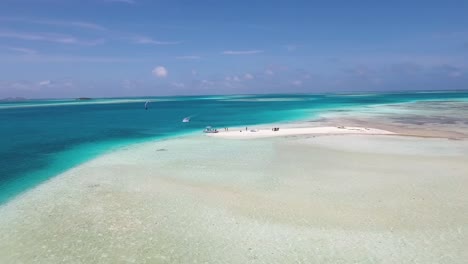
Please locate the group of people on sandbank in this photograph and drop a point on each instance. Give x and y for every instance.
(255, 130)
(226, 129)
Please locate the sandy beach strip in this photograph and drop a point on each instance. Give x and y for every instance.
(294, 131)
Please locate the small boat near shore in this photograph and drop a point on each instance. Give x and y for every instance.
(186, 120)
(209, 129)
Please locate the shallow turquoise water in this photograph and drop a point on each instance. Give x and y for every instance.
(41, 138)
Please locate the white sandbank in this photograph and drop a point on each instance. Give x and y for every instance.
(293, 131)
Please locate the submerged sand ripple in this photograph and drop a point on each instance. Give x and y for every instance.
(277, 200)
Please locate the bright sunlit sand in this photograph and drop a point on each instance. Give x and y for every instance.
(291, 131)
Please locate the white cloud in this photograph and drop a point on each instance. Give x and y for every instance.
(178, 84)
(206, 82)
(66, 58)
(234, 78)
(296, 83)
(77, 24)
(248, 76)
(49, 37)
(68, 83)
(23, 50)
(241, 52)
(35, 86)
(188, 57)
(146, 40)
(160, 72)
(44, 83)
(269, 72)
(21, 86)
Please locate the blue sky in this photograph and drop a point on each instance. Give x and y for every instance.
(111, 48)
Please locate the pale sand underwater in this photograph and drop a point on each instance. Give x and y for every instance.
(296, 199)
(345, 188)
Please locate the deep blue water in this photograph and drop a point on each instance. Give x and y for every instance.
(41, 138)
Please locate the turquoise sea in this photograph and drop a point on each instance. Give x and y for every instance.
(42, 138)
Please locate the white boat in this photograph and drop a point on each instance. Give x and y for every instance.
(186, 120)
(209, 129)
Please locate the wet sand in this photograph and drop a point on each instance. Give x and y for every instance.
(443, 119)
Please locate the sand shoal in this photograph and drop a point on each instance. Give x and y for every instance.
(306, 199)
(292, 131)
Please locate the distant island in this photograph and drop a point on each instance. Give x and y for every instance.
(83, 98)
(13, 99)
